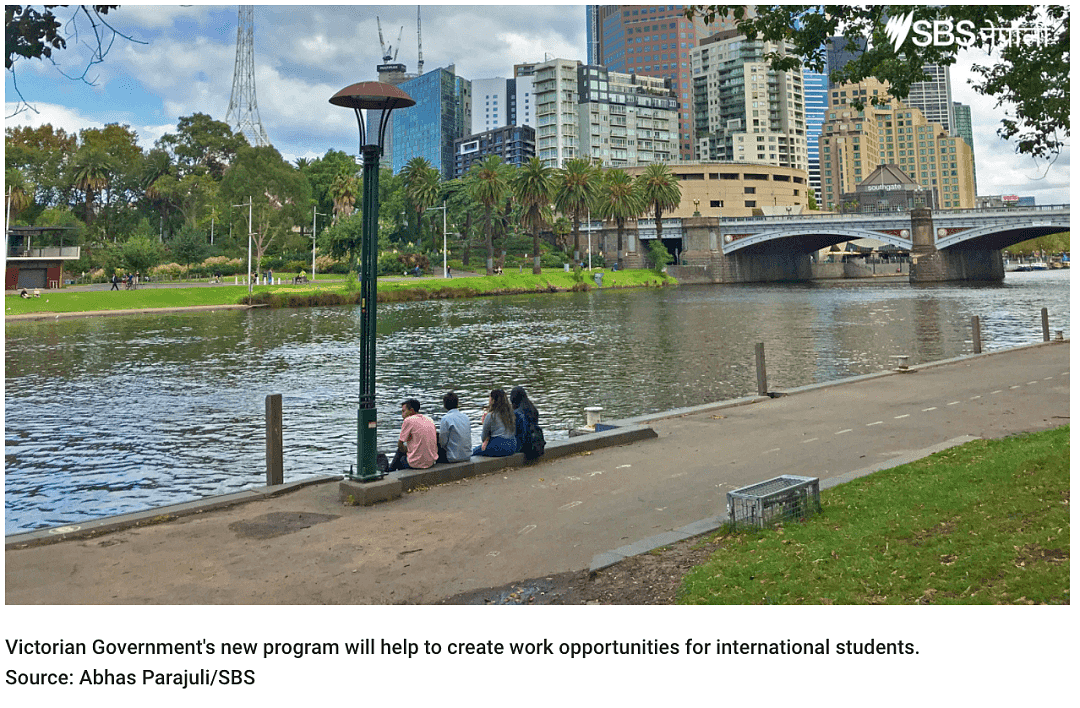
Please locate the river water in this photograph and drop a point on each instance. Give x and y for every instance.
(119, 414)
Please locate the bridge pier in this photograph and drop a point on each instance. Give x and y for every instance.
(931, 265)
(703, 261)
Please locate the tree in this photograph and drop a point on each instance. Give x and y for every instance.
(620, 199)
(576, 186)
(202, 144)
(422, 182)
(343, 191)
(533, 186)
(659, 255)
(33, 34)
(280, 194)
(811, 201)
(121, 143)
(322, 172)
(140, 253)
(1029, 81)
(91, 169)
(19, 194)
(343, 239)
(42, 154)
(189, 245)
(660, 191)
(488, 185)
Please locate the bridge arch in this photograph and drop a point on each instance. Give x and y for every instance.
(809, 240)
(998, 236)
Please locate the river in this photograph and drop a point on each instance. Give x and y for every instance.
(119, 414)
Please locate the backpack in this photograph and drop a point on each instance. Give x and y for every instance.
(530, 437)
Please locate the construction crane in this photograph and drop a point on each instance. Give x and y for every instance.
(419, 46)
(386, 49)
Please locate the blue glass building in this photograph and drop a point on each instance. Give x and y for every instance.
(429, 129)
(816, 99)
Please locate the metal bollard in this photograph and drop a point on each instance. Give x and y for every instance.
(275, 473)
(1046, 325)
(976, 335)
(759, 357)
(592, 416)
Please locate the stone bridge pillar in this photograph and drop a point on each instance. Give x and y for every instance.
(931, 265)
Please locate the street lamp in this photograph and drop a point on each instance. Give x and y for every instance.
(313, 215)
(589, 217)
(443, 208)
(248, 205)
(369, 95)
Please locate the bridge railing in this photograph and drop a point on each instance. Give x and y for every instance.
(881, 215)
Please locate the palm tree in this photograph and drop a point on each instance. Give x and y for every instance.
(422, 184)
(533, 186)
(660, 190)
(90, 173)
(620, 199)
(488, 186)
(577, 184)
(343, 191)
(20, 191)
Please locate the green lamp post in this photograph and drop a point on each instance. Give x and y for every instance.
(369, 95)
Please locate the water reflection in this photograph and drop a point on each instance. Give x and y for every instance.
(118, 414)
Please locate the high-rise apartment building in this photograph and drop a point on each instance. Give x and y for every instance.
(839, 51)
(522, 95)
(555, 89)
(625, 119)
(855, 142)
(653, 40)
(816, 98)
(428, 129)
(515, 144)
(490, 104)
(962, 115)
(934, 97)
(744, 110)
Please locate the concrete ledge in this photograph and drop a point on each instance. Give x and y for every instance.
(368, 493)
(443, 473)
(96, 527)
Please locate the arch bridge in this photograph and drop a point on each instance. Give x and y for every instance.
(960, 244)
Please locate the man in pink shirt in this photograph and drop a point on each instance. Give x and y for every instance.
(418, 445)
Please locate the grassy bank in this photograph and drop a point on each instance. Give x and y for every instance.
(390, 290)
(984, 523)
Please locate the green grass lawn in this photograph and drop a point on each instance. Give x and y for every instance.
(984, 523)
(316, 294)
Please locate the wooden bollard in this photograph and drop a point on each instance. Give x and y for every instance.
(976, 335)
(1046, 325)
(275, 472)
(759, 357)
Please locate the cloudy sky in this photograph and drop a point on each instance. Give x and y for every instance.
(184, 61)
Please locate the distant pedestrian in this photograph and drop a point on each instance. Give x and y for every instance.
(115, 283)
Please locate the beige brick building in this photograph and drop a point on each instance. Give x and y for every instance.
(855, 142)
(736, 189)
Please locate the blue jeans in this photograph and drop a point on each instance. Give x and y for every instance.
(497, 447)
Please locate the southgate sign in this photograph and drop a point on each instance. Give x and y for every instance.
(964, 34)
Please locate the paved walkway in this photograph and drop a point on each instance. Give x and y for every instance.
(305, 547)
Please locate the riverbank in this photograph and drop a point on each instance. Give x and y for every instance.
(556, 516)
(182, 297)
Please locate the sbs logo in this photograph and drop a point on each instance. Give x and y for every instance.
(939, 33)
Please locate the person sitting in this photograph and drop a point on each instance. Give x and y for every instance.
(497, 435)
(417, 447)
(530, 435)
(455, 433)
(24, 295)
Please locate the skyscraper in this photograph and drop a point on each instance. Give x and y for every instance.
(653, 40)
(744, 110)
(934, 97)
(428, 129)
(837, 54)
(556, 95)
(962, 114)
(816, 96)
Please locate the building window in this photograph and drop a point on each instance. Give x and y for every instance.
(750, 203)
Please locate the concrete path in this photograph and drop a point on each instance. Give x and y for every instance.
(305, 547)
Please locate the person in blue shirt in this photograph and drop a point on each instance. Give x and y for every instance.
(455, 432)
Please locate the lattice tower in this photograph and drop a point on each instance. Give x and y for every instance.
(243, 109)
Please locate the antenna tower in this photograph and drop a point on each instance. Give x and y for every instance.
(243, 112)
